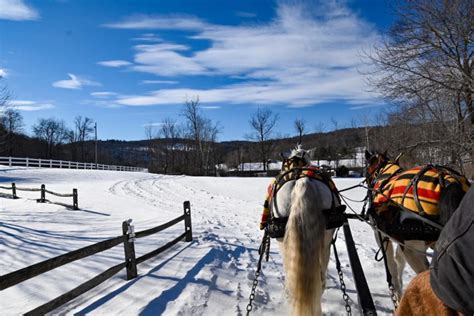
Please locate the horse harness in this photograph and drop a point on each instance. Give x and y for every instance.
(404, 204)
(275, 226)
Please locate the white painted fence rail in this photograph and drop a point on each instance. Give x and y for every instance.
(49, 163)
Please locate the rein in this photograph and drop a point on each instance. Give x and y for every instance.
(365, 220)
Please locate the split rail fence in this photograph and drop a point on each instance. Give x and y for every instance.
(131, 261)
(42, 199)
(50, 163)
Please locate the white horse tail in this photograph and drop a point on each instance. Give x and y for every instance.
(303, 243)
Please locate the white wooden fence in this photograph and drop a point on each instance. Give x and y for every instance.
(49, 163)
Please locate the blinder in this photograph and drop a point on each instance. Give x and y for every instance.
(335, 216)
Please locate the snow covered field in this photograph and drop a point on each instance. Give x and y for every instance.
(210, 276)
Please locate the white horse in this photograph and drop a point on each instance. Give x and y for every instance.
(306, 244)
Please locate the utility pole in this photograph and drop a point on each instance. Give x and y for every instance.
(367, 144)
(95, 128)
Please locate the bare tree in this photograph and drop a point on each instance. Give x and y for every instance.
(12, 121)
(210, 132)
(263, 123)
(171, 132)
(426, 64)
(202, 131)
(4, 99)
(300, 127)
(4, 94)
(152, 146)
(84, 126)
(53, 132)
(194, 126)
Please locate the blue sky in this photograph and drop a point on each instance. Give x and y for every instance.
(127, 64)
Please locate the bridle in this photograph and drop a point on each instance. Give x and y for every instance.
(373, 171)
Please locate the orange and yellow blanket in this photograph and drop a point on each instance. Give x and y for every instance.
(396, 187)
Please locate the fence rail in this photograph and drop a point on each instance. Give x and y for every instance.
(42, 199)
(128, 239)
(64, 164)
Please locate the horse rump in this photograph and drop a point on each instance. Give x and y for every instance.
(449, 201)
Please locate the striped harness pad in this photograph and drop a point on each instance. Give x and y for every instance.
(417, 189)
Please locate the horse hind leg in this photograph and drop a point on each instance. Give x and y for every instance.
(393, 268)
(392, 263)
(325, 254)
(401, 263)
(415, 254)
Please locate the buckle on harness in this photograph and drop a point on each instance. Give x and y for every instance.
(276, 227)
(335, 217)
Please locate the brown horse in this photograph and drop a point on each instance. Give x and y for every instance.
(411, 206)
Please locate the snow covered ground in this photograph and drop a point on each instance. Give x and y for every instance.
(210, 276)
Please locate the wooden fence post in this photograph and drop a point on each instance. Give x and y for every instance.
(9, 161)
(187, 221)
(14, 191)
(75, 201)
(43, 194)
(27, 162)
(129, 248)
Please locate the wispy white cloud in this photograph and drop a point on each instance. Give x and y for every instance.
(159, 82)
(148, 37)
(152, 124)
(3, 73)
(297, 59)
(103, 94)
(28, 105)
(211, 107)
(17, 10)
(150, 58)
(74, 82)
(296, 94)
(162, 22)
(243, 14)
(114, 63)
(366, 106)
(102, 102)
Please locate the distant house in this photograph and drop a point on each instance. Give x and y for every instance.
(258, 166)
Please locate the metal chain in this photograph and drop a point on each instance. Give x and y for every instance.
(345, 297)
(393, 296)
(264, 250)
(252, 293)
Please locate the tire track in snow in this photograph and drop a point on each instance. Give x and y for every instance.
(218, 220)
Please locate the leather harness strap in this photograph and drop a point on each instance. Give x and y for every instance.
(334, 218)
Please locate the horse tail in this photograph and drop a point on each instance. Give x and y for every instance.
(303, 246)
(449, 201)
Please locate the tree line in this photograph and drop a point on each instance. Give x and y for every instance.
(52, 138)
